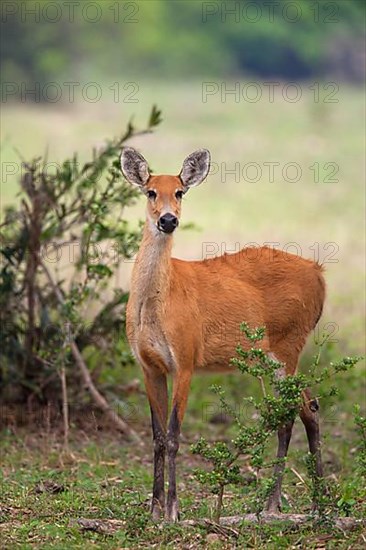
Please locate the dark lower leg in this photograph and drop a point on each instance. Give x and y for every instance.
(310, 417)
(158, 497)
(156, 387)
(284, 437)
(179, 402)
(172, 449)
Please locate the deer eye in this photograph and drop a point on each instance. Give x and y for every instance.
(179, 195)
(151, 194)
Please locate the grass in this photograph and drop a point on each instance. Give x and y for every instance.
(103, 477)
(323, 220)
(97, 485)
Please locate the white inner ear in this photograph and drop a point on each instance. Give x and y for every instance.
(143, 172)
(195, 168)
(134, 167)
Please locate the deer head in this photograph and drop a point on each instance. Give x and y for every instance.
(164, 193)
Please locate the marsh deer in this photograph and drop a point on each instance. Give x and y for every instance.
(173, 303)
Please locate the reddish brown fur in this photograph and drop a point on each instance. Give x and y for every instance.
(185, 315)
(199, 305)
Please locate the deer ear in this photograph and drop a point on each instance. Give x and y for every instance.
(195, 168)
(134, 167)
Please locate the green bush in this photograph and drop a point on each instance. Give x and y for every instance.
(280, 404)
(50, 300)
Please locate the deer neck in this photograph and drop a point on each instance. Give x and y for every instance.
(152, 270)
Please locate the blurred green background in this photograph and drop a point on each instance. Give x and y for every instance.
(274, 89)
(45, 41)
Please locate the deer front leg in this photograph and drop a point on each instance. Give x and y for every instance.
(156, 387)
(180, 396)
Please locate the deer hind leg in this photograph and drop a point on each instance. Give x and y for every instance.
(156, 388)
(310, 417)
(284, 437)
(180, 396)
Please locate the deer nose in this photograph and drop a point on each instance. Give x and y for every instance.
(167, 223)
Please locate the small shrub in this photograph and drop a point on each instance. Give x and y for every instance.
(280, 403)
(60, 248)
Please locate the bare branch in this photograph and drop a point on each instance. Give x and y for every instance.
(100, 401)
(267, 518)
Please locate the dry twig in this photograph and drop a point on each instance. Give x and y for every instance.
(100, 401)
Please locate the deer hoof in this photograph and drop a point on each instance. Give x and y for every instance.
(273, 506)
(156, 510)
(172, 514)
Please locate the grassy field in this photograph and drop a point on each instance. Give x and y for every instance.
(46, 489)
(102, 476)
(314, 216)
